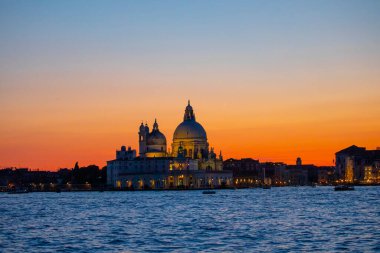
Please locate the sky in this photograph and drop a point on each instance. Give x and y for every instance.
(270, 80)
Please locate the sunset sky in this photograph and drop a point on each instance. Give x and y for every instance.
(271, 80)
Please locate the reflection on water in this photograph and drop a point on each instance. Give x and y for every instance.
(280, 219)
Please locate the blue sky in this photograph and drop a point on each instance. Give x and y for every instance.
(268, 79)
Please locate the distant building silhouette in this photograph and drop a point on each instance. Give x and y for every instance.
(248, 172)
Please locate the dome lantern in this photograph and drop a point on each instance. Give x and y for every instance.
(155, 125)
(189, 113)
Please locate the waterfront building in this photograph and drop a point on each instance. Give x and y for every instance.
(277, 170)
(308, 174)
(298, 174)
(248, 172)
(191, 164)
(326, 175)
(84, 178)
(358, 165)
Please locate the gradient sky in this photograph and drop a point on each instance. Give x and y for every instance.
(271, 80)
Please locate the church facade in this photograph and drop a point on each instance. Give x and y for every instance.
(191, 164)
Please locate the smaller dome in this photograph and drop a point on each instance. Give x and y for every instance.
(156, 138)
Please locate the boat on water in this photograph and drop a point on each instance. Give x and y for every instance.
(344, 188)
(18, 191)
(208, 192)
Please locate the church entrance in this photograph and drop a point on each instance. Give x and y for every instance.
(181, 181)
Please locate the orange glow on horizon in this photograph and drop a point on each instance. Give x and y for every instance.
(53, 143)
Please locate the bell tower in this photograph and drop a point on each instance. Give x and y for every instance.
(142, 140)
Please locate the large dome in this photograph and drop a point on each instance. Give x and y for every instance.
(190, 129)
(190, 138)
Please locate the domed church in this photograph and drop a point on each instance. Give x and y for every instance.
(190, 165)
(191, 136)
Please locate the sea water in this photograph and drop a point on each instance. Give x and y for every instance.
(249, 220)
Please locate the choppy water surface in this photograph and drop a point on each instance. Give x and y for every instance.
(251, 220)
